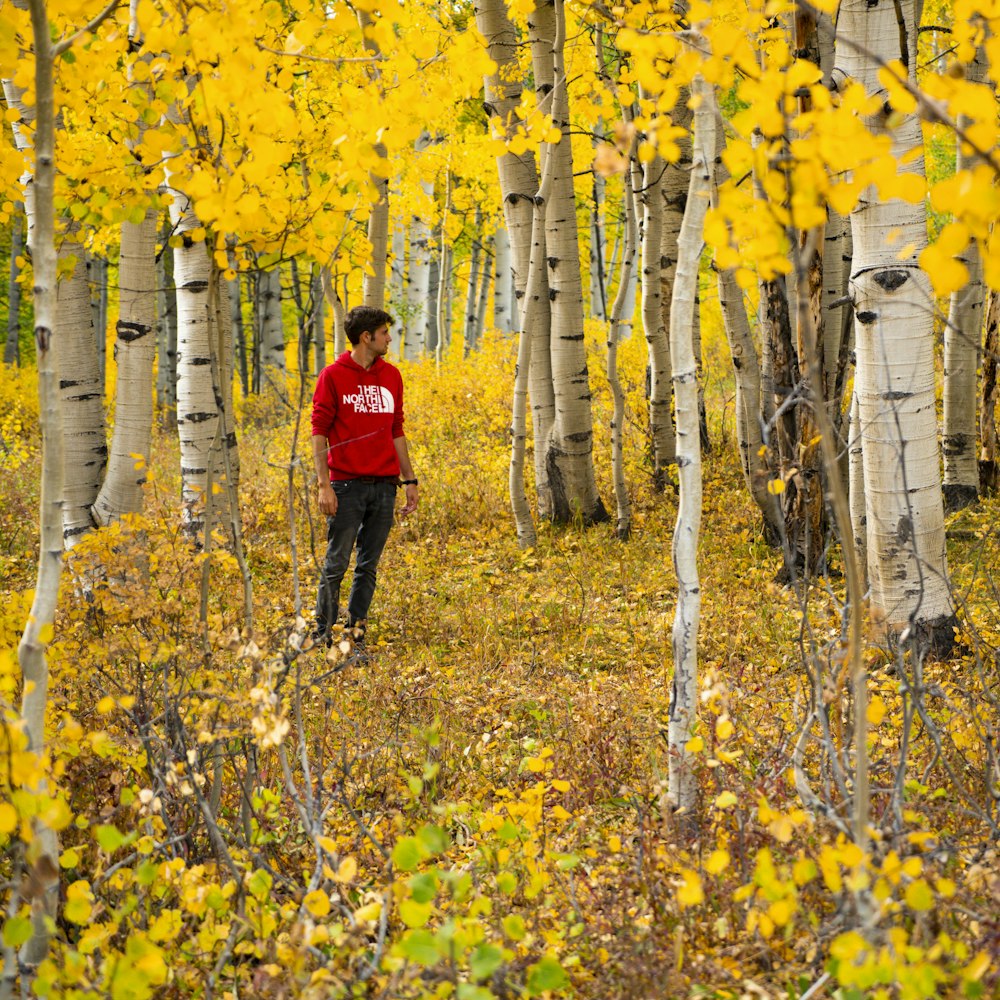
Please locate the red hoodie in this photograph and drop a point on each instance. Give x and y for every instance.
(359, 411)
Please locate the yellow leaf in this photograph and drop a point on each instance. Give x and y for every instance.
(919, 896)
(559, 785)
(78, 902)
(725, 800)
(8, 818)
(718, 862)
(695, 745)
(776, 486)
(876, 711)
(347, 871)
(317, 903)
(614, 844)
(977, 968)
(690, 892)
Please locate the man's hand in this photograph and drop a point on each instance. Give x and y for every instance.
(411, 500)
(327, 499)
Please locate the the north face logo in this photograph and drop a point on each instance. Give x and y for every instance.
(370, 399)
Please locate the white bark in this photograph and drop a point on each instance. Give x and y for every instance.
(419, 276)
(962, 353)
(31, 649)
(270, 329)
(471, 287)
(166, 343)
(623, 524)
(11, 351)
(397, 266)
(598, 247)
(134, 352)
(684, 696)
(569, 451)
(503, 315)
(661, 420)
(519, 183)
(484, 296)
(893, 307)
(378, 222)
(198, 417)
(81, 391)
(856, 486)
(85, 445)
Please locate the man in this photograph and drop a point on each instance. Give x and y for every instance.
(360, 457)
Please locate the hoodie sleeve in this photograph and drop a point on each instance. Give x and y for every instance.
(324, 408)
(397, 417)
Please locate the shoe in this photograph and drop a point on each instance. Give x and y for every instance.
(320, 636)
(355, 631)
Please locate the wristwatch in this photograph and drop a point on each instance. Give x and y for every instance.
(408, 482)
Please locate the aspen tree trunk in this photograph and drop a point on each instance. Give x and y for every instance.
(837, 315)
(598, 281)
(484, 296)
(471, 287)
(502, 303)
(12, 349)
(270, 330)
(378, 222)
(654, 321)
(433, 291)
(684, 695)
(856, 485)
(962, 350)
(418, 287)
(96, 269)
(336, 304)
(198, 417)
(519, 183)
(397, 266)
(569, 451)
(85, 446)
(319, 320)
(239, 332)
(623, 526)
(674, 192)
(893, 307)
(442, 315)
(81, 391)
(989, 471)
(166, 341)
(135, 350)
(746, 371)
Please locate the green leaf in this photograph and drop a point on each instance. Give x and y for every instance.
(407, 854)
(567, 861)
(467, 991)
(16, 931)
(513, 927)
(485, 960)
(259, 884)
(506, 882)
(545, 975)
(424, 887)
(419, 946)
(111, 838)
(432, 838)
(508, 831)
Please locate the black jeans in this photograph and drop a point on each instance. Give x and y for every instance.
(364, 515)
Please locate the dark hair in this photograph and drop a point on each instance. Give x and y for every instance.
(365, 319)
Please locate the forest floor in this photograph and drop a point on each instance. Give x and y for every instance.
(478, 808)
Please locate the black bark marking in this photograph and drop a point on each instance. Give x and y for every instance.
(129, 332)
(895, 395)
(198, 418)
(68, 383)
(195, 286)
(867, 318)
(891, 280)
(200, 361)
